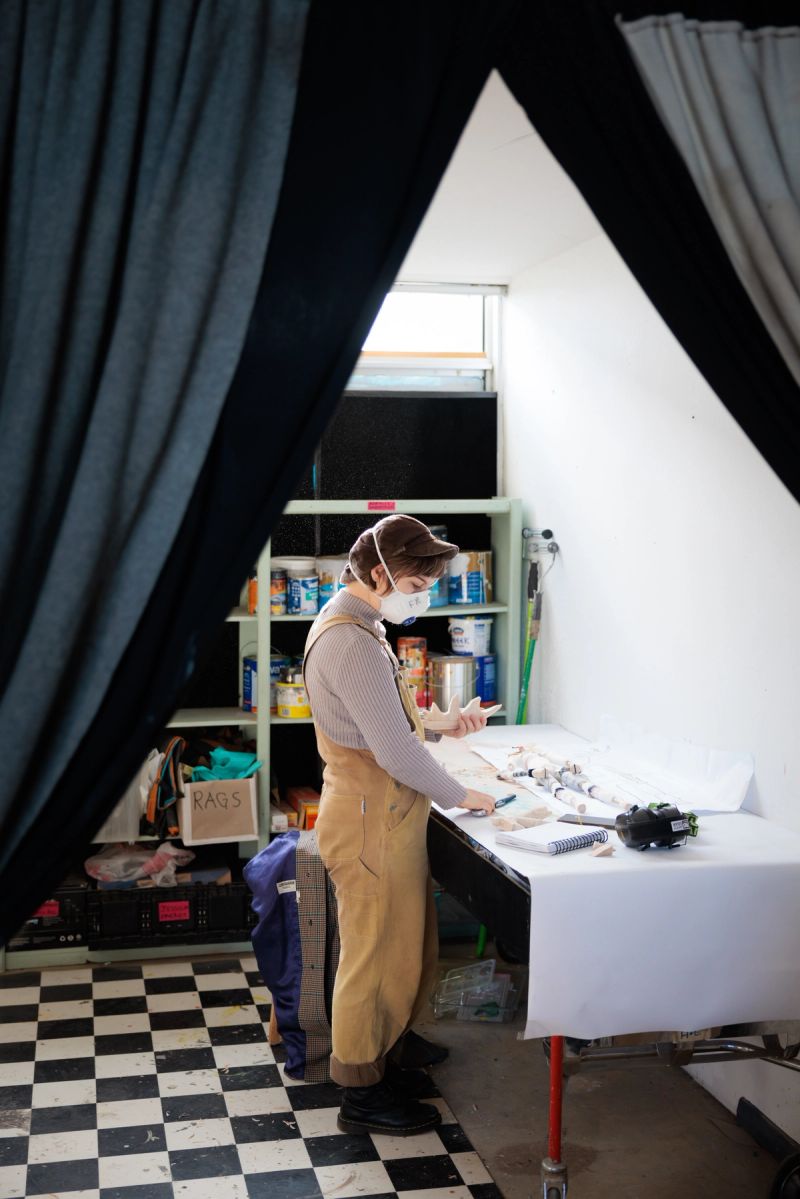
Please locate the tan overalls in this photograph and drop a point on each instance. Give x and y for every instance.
(371, 833)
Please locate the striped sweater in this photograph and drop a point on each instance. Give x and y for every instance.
(353, 694)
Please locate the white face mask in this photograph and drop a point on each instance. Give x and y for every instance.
(398, 607)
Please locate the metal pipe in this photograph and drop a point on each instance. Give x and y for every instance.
(556, 1098)
(674, 1053)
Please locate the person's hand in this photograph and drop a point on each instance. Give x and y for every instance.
(478, 801)
(468, 722)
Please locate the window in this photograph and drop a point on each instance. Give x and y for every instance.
(431, 338)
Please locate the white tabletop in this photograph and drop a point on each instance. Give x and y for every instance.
(685, 939)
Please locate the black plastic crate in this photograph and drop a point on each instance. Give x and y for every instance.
(188, 915)
(59, 921)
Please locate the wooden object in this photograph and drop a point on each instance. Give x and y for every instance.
(273, 1034)
(440, 722)
(603, 849)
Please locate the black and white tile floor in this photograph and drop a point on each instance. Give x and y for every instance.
(156, 1081)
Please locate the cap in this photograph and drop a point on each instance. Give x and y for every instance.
(399, 534)
(402, 540)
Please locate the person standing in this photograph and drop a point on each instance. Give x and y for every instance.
(378, 783)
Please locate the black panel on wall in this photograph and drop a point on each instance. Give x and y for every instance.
(414, 444)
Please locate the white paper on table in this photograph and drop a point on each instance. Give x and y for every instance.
(703, 935)
(635, 766)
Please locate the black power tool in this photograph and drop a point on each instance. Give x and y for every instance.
(660, 824)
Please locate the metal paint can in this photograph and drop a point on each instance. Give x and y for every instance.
(250, 684)
(292, 701)
(486, 682)
(277, 663)
(277, 592)
(453, 675)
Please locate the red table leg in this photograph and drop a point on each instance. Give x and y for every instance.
(554, 1172)
(556, 1098)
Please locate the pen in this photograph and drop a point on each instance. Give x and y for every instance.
(498, 804)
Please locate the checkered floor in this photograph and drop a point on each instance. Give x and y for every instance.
(156, 1080)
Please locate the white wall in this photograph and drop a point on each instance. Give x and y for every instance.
(675, 600)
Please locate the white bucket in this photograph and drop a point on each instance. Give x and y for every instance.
(302, 584)
(329, 571)
(470, 634)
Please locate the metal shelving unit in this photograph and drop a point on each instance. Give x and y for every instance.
(506, 609)
(506, 544)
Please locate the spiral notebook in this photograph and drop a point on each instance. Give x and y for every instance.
(541, 839)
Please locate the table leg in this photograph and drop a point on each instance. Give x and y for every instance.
(554, 1172)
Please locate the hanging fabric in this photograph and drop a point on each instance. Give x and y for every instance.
(729, 97)
(572, 69)
(384, 93)
(143, 152)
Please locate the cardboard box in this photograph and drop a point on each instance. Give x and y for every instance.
(305, 802)
(219, 810)
(292, 818)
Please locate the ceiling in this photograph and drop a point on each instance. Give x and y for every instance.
(503, 204)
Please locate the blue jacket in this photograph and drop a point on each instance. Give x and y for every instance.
(272, 877)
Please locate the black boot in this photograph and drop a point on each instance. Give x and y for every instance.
(380, 1108)
(413, 1052)
(409, 1084)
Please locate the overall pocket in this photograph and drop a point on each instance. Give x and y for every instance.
(340, 827)
(401, 803)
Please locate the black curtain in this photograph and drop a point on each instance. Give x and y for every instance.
(384, 93)
(142, 154)
(569, 68)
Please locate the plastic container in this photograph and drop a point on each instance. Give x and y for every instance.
(470, 634)
(480, 992)
(439, 597)
(302, 584)
(328, 572)
(470, 577)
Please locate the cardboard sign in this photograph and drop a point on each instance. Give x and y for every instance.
(219, 810)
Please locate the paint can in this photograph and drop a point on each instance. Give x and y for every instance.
(412, 653)
(252, 594)
(486, 682)
(277, 592)
(452, 675)
(302, 585)
(292, 700)
(277, 663)
(329, 571)
(470, 577)
(250, 684)
(470, 634)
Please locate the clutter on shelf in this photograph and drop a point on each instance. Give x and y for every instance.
(124, 865)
